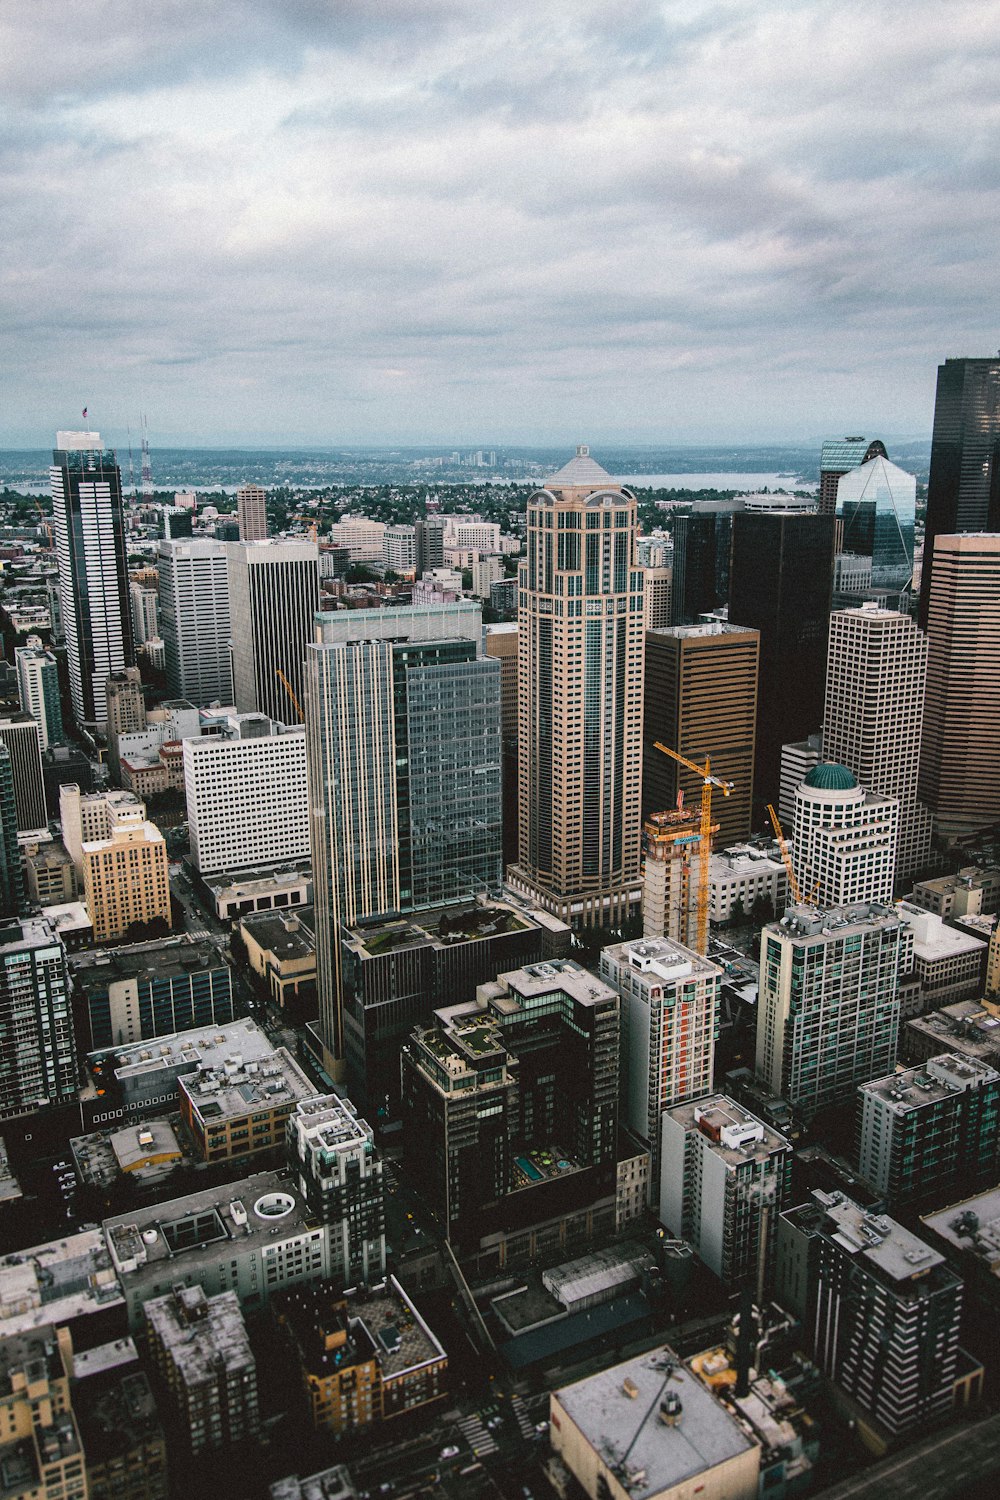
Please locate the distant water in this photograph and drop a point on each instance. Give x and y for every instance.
(747, 483)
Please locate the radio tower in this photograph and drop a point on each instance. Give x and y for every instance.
(147, 467)
(131, 467)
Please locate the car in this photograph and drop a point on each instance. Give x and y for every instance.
(450, 1452)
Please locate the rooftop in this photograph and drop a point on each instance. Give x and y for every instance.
(166, 958)
(968, 1027)
(972, 1225)
(881, 1242)
(330, 1484)
(624, 1413)
(581, 471)
(812, 924)
(201, 1332)
(112, 1400)
(329, 1123)
(287, 934)
(227, 1085)
(939, 1078)
(732, 1132)
(441, 927)
(933, 939)
(208, 1049)
(830, 777)
(56, 1282)
(382, 1323)
(660, 958)
(257, 882)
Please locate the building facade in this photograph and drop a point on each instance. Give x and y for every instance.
(876, 508)
(43, 1455)
(194, 620)
(273, 596)
(38, 689)
(332, 1152)
(251, 512)
(200, 1349)
(21, 734)
(38, 1058)
(844, 839)
(93, 577)
(837, 457)
(133, 994)
(245, 790)
(580, 675)
(125, 881)
(11, 877)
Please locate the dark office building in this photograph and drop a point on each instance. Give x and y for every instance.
(781, 584)
(147, 990)
(510, 1112)
(838, 457)
(19, 732)
(11, 879)
(963, 490)
(702, 546)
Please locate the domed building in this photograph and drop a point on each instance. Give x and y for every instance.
(844, 839)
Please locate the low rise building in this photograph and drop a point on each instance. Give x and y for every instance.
(235, 896)
(363, 1357)
(235, 1104)
(950, 964)
(200, 1348)
(329, 1484)
(971, 1029)
(647, 1429)
(146, 990)
(972, 891)
(924, 1131)
(281, 949)
(51, 874)
(725, 1177)
(123, 1442)
(742, 876)
(68, 1282)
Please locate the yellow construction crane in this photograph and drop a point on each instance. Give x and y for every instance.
(708, 781)
(793, 884)
(47, 525)
(288, 689)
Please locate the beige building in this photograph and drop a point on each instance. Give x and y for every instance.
(580, 675)
(91, 817)
(960, 755)
(251, 512)
(657, 592)
(125, 880)
(51, 874)
(701, 699)
(42, 1456)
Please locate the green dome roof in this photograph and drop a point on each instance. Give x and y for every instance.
(829, 777)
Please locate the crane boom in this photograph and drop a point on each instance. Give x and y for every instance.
(288, 689)
(793, 884)
(708, 781)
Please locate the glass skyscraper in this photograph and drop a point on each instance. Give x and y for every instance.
(877, 504)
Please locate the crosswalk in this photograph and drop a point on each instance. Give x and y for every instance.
(524, 1423)
(477, 1435)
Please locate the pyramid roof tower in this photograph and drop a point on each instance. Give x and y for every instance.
(582, 475)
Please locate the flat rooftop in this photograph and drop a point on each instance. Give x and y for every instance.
(205, 1047)
(618, 1412)
(933, 939)
(441, 927)
(967, 1027)
(256, 882)
(880, 1241)
(973, 1225)
(809, 923)
(730, 1131)
(56, 1282)
(939, 1078)
(113, 1401)
(198, 1331)
(287, 933)
(660, 957)
(169, 958)
(547, 978)
(227, 1085)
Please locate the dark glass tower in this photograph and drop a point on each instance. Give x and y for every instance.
(702, 546)
(963, 490)
(11, 880)
(781, 584)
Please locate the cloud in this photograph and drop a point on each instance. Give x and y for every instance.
(391, 220)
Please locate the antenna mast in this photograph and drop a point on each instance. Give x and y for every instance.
(147, 467)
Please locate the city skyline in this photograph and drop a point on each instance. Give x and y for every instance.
(362, 225)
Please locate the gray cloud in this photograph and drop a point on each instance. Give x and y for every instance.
(341, 220)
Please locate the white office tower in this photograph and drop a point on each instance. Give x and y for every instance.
(873, 718)
(669, 1018)
(251, 512)
(145, 613)
(93, 581)
(725, 1176)
(273, 596)
(399, 548)
(844, 839)
(797, 760)
(194, 617)
(246, 795)
(828, 1002)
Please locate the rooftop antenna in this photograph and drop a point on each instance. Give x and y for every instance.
(147, 467)
(131, 465)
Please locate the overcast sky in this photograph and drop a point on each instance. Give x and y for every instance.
(335, 221)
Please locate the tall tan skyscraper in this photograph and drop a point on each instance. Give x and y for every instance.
(701, 699)
(251, 512)
(960, 756)
(580, 682)
(875, 671)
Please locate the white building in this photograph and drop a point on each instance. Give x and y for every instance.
(194, 618)
(486, 571)
(669, 1016)
(145, 613)
(364, 539)
(246, 795)
(471, 532)
(948, 961)
(38, 690)
(724, 1175)
(742, 874)
(273, 598)
(797, 760)
(399, 548)
(92, 818)
(844, 839)
(873, 716)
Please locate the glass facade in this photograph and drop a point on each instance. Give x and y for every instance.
(877, 504)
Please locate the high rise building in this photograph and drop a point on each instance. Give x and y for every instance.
(125, 881)
(399, 548)
(880, 1311)
(877, 506)
(21, 734)
(38, 1055)
(580, 684)
(873, 719)
(924, 1132)
(38, 689)
(403, 750)
(246, 795)
(960, 754)
(726, 1177)
(429, 543)
(671, 875)
(501, 642)
(251, 512)
(273, 596)
(797, 760)
(93, 579)
(91, 817)
(200, 1348)
(844, 839)
(11, 877)
(781, 585)
(963, 487)
(701, 699)
(828, 1006)
(332, 1152)
(657, 589)
(194, 617)
(126, 709)
(145, 612)
(669, 1022)
(703, 544)
(839, 456)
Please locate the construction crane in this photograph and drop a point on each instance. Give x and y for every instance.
(793, 884)
(708, 781)
(288, 689)
(47, 525)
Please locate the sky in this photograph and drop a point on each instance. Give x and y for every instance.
(418, 221)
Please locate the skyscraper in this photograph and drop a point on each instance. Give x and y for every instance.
(873, 720)
(963, 487)
(844, 839)
(11, 878)
(273, 596)
(403, 750)
(781, 585)
(22, 736)
(580, 680)
(701, 699)
(703, 542)
(38, 689)
(839, 456)
(960, 754)
(877, 506)
(194, 615)
(93, 579)
(251, 510)
(38, 1058)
